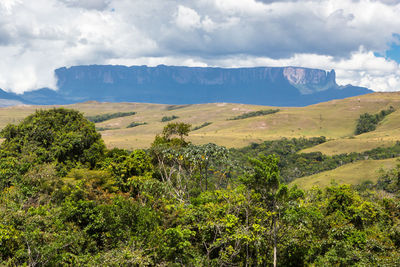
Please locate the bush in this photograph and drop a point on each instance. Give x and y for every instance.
(255, 114)
(368, 122)
(201, 126)
(134, 124)
(109, 116)
(170, 118)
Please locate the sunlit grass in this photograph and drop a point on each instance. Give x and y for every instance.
(353, 173)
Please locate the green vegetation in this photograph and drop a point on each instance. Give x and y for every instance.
(59, 136)
(109, 116)
(255, 114)
(100, 129)
(389, 181)
(355, 173)
(134, 124)
(367, 122)
(66, 200)
(294, 165)
(201, 126)
(169, 118)
(174, 107)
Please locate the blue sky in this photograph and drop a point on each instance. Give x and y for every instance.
(357, 38)
(394, 53)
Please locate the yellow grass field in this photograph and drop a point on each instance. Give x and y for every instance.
(353, 173)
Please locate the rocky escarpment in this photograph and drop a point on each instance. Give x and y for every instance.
(309, 81)
(277, 86)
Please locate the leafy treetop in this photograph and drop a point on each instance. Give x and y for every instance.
(57, 135)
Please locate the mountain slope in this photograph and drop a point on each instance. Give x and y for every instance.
(277, 86)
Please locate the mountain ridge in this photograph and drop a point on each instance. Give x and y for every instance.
(275, 86)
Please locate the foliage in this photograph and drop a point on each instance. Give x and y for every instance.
(174, 107)
(255, 114)
(101, 129)
(169, 133)
(201, 126)
(295, 165)
(390, 180)
(367, 122)
(109, 116)
(169, 118)
(181, 204)
(134, 124)
(57, 135)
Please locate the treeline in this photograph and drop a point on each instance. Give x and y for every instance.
(67, 200)
(109, 116)
(169, 118)
(368, 122)
(255, 114)
(201, 126)
(135, 124)
(294, 165)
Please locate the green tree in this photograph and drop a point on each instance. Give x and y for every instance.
(57, 135)
(265, 182)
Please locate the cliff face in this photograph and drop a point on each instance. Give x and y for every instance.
(309, 81)
(140, 75)
(278, 86)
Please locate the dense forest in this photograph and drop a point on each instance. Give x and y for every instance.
(68, 200)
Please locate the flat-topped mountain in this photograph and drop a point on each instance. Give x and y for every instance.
(277, 86)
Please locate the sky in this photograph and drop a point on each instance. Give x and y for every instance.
(360, 39)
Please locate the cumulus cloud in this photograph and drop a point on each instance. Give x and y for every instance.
(39, 36)
(362, 68)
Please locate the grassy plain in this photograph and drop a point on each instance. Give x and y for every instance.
(334, 119)
(353, 173)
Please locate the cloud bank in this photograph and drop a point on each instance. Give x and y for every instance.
(39, 36)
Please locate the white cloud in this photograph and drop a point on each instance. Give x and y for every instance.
(39, 36)
(187, 18)
(361, 69)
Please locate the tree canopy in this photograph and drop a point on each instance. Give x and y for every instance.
(67, 200)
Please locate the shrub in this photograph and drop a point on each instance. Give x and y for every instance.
(109, 116)
(169, 118)
(255, 114)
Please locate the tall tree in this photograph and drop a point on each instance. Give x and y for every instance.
(265, 181)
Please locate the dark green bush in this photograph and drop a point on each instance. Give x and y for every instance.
(201, 126)
(255, 114)
(368, 122)
(134, 124)
(109, 116)
(169, 118)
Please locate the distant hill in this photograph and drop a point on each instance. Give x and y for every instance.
(276, 86)
(336, 120)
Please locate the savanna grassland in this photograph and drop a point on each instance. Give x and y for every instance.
(336, 120)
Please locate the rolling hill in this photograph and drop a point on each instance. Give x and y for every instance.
(335, 120)
(353, 173)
